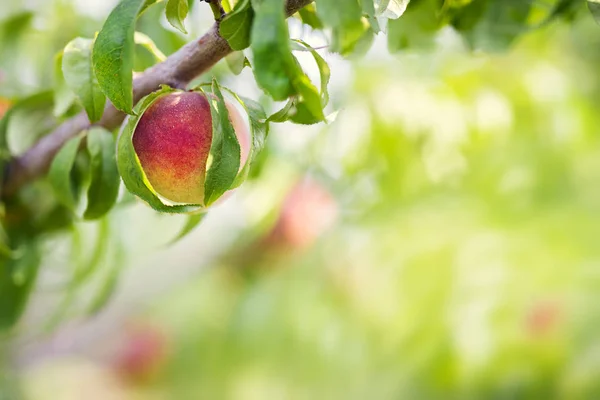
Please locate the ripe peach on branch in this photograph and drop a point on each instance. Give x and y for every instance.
(184, 150)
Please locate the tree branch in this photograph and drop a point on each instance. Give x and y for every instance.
(180, 68)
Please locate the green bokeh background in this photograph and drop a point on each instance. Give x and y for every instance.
(463, 263)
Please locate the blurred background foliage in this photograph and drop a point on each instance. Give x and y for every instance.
(438, 239)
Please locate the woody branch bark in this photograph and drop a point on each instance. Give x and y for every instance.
(178, 69)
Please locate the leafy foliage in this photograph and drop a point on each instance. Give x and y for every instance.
(225, 150)
(113, 53)
(105, 181)
(17, 276)
(274, 67)
(344, 18)
(236, 26)
(176, 12)
(84, 176)
(80, 78)
(60, 173)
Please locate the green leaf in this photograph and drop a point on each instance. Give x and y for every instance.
(324, 71)
(259, 128)
(17, 277)
(344, 17)
(104, 187)
(391, 9)
(236, 26)
(368, 9)
(236, 62)
(274, 65)
(111, 277)
(492, 25)
(79, 75)
(104, 294)
(565, 9)
(12, 29)
(283, 114)
(224, 149)
(417, 28)
(191, 222)
(594, 7)
(60, 173)
(29, 118)
(63, 96)
(309, 106)
(128, 162)
(146, 42)
(84, 267)
(113, 51)
(308, 14)
(176, 11)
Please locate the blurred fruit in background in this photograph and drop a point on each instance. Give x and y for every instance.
(307, 212)
(544, 318)
(141, 353)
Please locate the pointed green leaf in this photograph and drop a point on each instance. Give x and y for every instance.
(224, 149)
(324, 74)
(283, 114)
(310, 99)
(60, 173)
(147, 43)
(274, 65)
(309, 16)
(594, 7)
(63, 96)
(87, 264)
(113, 266)
(391, 9)
(79, 75)
(368, 9)
(192, 221)
(29, 119)
(236, 62)
(490, 25)
(344, 17)
(307, 108)
(418, 26)
(112, 55)
(236, 26)
(104, 187)
(176, 11)
(17, 277)
(104, 294)
(259, 127)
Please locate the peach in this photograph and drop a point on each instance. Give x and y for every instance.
(172, 141)
(307, 212)
(142, 352)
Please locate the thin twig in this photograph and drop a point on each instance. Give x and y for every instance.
(217, 9)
